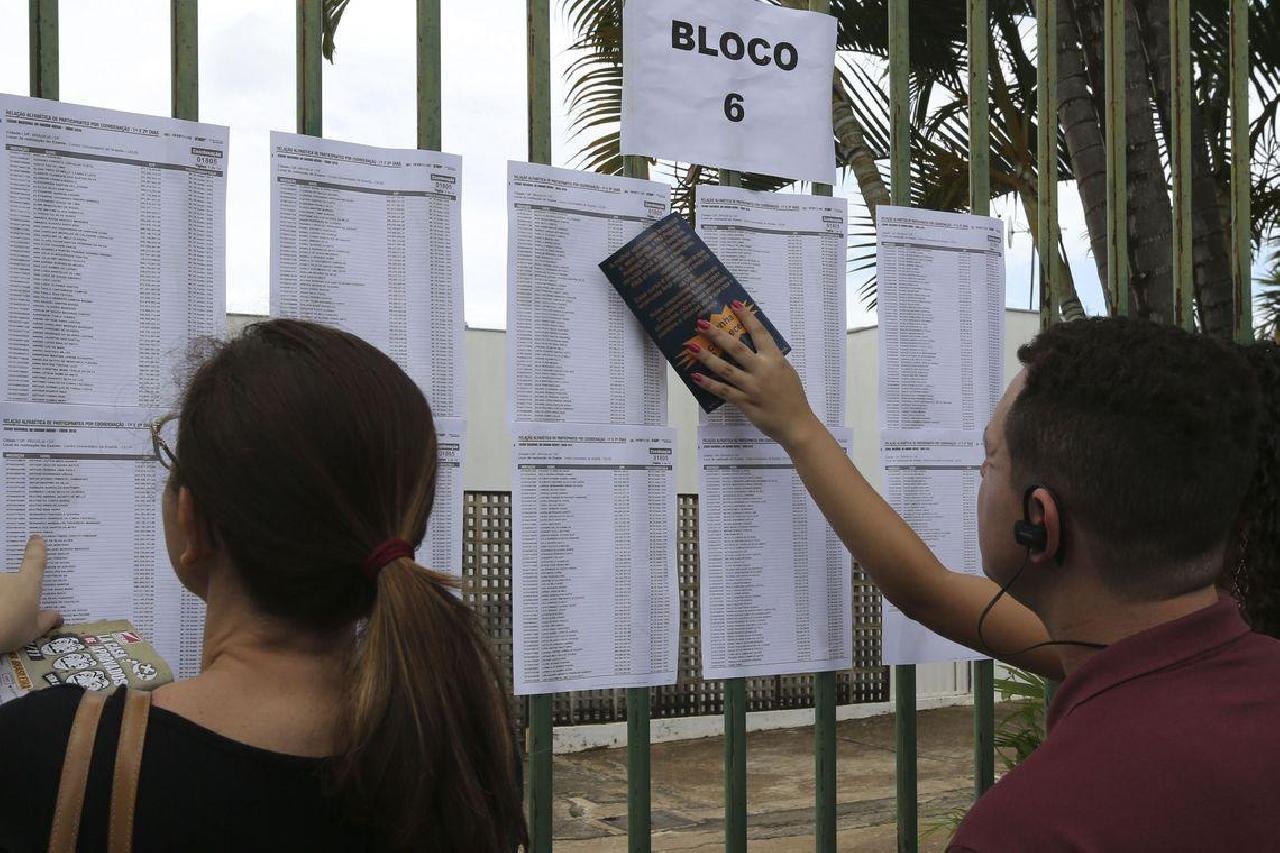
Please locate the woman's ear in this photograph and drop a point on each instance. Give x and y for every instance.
(197, 543)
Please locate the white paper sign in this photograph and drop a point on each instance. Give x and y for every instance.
(733, 83)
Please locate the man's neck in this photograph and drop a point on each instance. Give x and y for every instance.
(1106, 620)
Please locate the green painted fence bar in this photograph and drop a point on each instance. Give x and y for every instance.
(1180, 158)
(538, 792)
(1047, 157)
(310, 33)
(184, 59)
(735, 719)
(904, 677)
(43, 38)
(1117, 155)
(824, 688)
(1240, 231)
(428, 88)
(983, 685)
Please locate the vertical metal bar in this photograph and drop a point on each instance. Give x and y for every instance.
(539, 790)
(900, 192)
(824, 686)
(1047, 156)
(735, 763)
(310, 33)
(1240, 229)
(1117, 155)
(429, 121)
(978, 28)
(1180, 158)
(735, 719)
(43, 39)
(184, 59)
(639, 803)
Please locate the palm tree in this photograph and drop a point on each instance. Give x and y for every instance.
(939, 133)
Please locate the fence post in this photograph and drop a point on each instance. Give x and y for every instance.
(310, 33)
(43, 41)
(184, 59)
(1180, 160)
(824, 687)
(1115, 97)
(735, 718)
(539, 736)
(904, 677)
(428, 87)
(1240, 230)
(980, 205)
(1047, 157)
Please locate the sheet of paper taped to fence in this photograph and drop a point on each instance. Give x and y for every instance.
(940, 296)
(594, 557)
(369, 239)
(788, 252)
(112, 251)
(737, 84)
(87, 480)
(776, 581)
(575, 352)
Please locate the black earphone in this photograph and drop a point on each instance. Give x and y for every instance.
(1033, 537)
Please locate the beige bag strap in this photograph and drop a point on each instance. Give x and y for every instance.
(65, 830)
(124, 784)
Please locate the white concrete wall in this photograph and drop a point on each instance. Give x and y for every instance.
(487, 466)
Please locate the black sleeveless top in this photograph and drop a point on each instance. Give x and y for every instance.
(198, 790)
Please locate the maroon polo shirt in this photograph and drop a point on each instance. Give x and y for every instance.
(1169, 740)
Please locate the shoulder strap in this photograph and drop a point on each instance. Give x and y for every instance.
(65, 830)
(124, 784)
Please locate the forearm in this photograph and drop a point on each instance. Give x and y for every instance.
(902, 565)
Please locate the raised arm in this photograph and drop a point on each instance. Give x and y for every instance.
(768, 391)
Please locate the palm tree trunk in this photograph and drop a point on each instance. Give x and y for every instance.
(1211, 254)
(1082, 129)
(1151, 233)
(852, 150)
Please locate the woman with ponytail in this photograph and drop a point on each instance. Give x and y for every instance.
(348, 699)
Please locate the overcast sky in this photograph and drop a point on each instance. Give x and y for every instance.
(247, 82)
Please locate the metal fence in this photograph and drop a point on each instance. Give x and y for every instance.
(486, 569)
(735, 696)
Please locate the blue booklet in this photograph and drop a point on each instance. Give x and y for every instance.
(671, 279)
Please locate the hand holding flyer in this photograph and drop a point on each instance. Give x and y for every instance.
(671, 280)
(96, 656)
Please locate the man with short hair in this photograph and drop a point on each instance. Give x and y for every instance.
(1117, 463)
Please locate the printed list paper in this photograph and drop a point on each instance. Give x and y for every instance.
(575, 352)
(86, 479)
(788, 252)
(112, 251)
(369, 240)
(776, 588)
(594, 529)
(940, 279)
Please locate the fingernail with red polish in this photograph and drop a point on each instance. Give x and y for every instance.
(698, 377)
(703, 324)
(693, 347)
(737, 303)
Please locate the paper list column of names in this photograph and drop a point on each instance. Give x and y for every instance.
(776, 581)
(595, 524)
(368, 239)
(941, 303)
(112, 250)
(575, 351)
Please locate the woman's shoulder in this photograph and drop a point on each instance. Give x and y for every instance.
(34, 721)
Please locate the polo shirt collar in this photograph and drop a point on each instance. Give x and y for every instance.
(1154, 649)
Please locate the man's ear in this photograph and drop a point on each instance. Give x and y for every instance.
(198, 543)
(1042, 509)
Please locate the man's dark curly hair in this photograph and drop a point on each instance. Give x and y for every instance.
(1148, 436)
(1254, 571)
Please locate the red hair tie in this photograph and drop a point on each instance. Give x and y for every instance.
(387, 552)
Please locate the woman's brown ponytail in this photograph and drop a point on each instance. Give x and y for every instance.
(305, 449)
